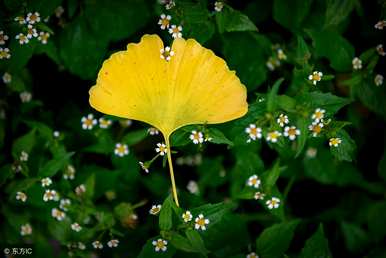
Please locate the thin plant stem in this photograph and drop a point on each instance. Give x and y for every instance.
(169, 153)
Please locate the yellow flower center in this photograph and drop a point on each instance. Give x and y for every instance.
(253, 131)
(273, 135)
(335, 141)
(175, 30)
(316, 128)
(88, 122)
(186, 216)
(201, 222)
(253, 181)
(162, 149)
(121, 149)
(165, 22)
(155, 210)
(160, 244)
(292, 131)
(316, 77)
(33, 17)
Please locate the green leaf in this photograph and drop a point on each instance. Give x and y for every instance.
(345, 150)
(229, 20)
(196, 242)
(181, 243)
(290, 14)
(327, 101)
(218, 137)
(166, 216)
(213, 212)
(303, 53)
(24, 143)
(90, 186)
(302, 125)
(134, 137)
(271, 98)
(316, 246)
(20, 55)
(271, 176)
(54, 165)
(275, 240)
(148, 250)
(337, 11)
(44, 7)
(355, 237)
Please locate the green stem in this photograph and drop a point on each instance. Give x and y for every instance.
(169, 153)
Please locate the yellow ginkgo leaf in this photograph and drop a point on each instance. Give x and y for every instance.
(192, 86)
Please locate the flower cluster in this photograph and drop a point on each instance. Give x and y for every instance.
(255, 182)
(31, 20)
(174, 30)
(278, 55)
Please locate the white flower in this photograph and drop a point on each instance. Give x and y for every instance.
(69, 173)
(175, 31)
(59, 11)
(81, 189)
(50, 195)
(25, 96)
(20, 20)
(104, 123)
(46, 181)
(378, 80)
(273, 203)
(253, 181)
(334, 142)
(24, 156)
(187, 216)
(21, 196)
(121, 150)
(58, 214)
(196, 137)
(253, 132)
(160, 245)
(97, 244)
(153, 131)
(155, 209)
(81, 246)
(252, 255)
(17, 168)
(56, 134)
(218, 6)
(3, 37)
(144, 166)
(23, 39)
(166, 53)
(164, 21)
(88, 122)
(315, 77)
(170, 4)
(356, 63)
(192, 187)
(113, 243)
(282, 120)
(316, 128)
(43, 37)
(272, 63)
(201, 222)
(65, 204)
(76, 227)
(380, 50)
(161, 149)
(31, 32)
(281, 55)
(4, 53)
(33, 18)
(7, 78)
(272, 136)
(259, 196)
(311, 152)
(25, 229)
(291, 132)
(318, 115)
(380, 25)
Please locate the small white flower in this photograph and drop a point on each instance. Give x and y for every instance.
(155, 209)
(69, 173)
(356, 63)
(273, 136)
(378, 80)
(201, 222)
(253, 181)
(20, 196)
(153, 131)
(196, 137)
(316, 128)
(192, 187)
(253, 132)
(25, 96)
(315, 77)
(175, 31)
(43, 37)
(56, 134)
(272, 63)
(160, 245)
(311, 152)
(164, 21)
(281, 55)
(161, 149)
(252, 255)
(380, 25)
(104, 123)
(291, 132)
(58, 214)
(24, 156)
(259, 196)
(76, 227)
(187, 216)
(65, 204)
(4, 53)
(318, 115)
(31, 32)
(121, 149)
(113, 243)
(23, 39)
(81, 189)
(218, 6)
(25, 229)
(81, 246)
(59, 11)
(20, 20)
(88, 122)
(33, 18)
(46, 181)
(50, 195)
(380, 50)
(273, 203)
(170, 4)
(3, 38)
(282, 120)
(17, 168)
(7, 78)
(144, 166)
(166, 53)
(334, 142)
(97, 244)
